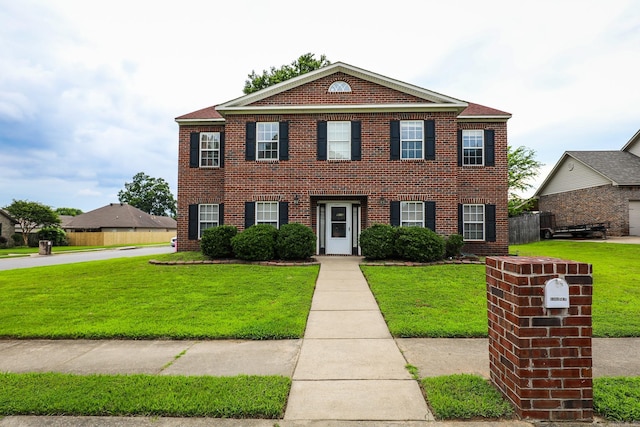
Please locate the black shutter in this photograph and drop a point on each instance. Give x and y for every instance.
(284, 141)
(249, 214)
(489, 147)
(460, 220)
(395, 140)
(322, 140)
(490, 223)
(430, 139)
(221, 214)
(192, 233)
(250, 138)
(395, 213)
(459, 147)
(430, 215)
(194, 150)
(283, 213)
(356, 140)
(221, 149)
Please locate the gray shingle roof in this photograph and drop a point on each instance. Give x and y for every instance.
(621, 167)
(116, 215)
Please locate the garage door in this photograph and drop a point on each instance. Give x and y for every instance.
(634, 217)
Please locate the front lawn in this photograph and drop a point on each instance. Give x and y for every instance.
(132, 299)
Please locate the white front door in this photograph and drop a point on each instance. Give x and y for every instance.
(338, 229)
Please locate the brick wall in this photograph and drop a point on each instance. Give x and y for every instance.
(605, 203)
(540, 359)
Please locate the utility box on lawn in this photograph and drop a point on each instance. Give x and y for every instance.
(45, 247)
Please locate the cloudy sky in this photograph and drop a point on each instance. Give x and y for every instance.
(89, 89)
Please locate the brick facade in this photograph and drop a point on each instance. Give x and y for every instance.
(373, 182)
(605, 203)
(540, 358)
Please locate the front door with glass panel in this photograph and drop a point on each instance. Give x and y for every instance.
(339, 228)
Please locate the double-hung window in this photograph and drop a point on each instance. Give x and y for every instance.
(210, 149)
(473, 222)
(411, 139)
(208, 217)
(472, 147)
(339, 140)
(267, 213)
(267, 140)
(412, 214)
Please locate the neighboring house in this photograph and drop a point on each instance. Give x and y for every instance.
(339, 149)
(118, 223)
(596, 186)
(7, 224)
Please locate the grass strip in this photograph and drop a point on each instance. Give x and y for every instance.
(465, 396)
(433, 301)
(132, 299)
(617, 398)
(143, 395)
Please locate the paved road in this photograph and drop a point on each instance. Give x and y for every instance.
(73, 257)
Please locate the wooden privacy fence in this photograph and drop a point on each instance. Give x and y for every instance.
(101, 238)
(524, 228)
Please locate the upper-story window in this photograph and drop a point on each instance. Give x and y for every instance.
(472, 147)
(339, 86)
(267, 138)
(210, 149)
(339, 140)
(411, 139)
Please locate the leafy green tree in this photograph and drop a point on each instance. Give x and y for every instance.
(151, 195)
(31, 215)
(68, 211)
(302, 65)
(523, 167)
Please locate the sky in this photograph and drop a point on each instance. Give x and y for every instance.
(89, 90)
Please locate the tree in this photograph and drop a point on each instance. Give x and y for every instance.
(31, 215)
(302, 65)
(522, 168)
(151, 195)
(68, 211)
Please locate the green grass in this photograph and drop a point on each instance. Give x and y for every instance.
(616, 281)
(143, 395)
(24, 250)
(433, 301)
(617, 398)
(130, 298)
(464, 396)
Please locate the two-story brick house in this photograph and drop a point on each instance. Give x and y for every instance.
(339, 149)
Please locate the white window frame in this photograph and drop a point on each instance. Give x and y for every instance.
(267, 213)
(263, 129)
(473, 215)
(339, 86)
(209, 144)
(208, 219)
(339, 140)
(412, 214)
(412, 132)
(470, 140)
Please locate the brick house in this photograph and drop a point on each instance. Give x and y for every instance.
(596, 186)
(339, 149)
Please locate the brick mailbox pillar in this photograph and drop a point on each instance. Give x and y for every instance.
(540, 343)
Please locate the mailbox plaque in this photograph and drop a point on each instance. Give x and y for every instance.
(556, 294)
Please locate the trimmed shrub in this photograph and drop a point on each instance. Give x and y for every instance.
(216, 241)
(57, 236)
(256, 243)
(453, 246)
(377, 241)
(419, 244)
(295, 241)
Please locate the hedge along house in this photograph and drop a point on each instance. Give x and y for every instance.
(339, 149)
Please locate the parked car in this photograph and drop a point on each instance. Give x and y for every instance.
(174, 241)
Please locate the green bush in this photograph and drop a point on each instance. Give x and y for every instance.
(216, 241)
(256, 243)
(377, 241)
(453, 246)
(295, 241)
(57, 236)
(419, 244)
